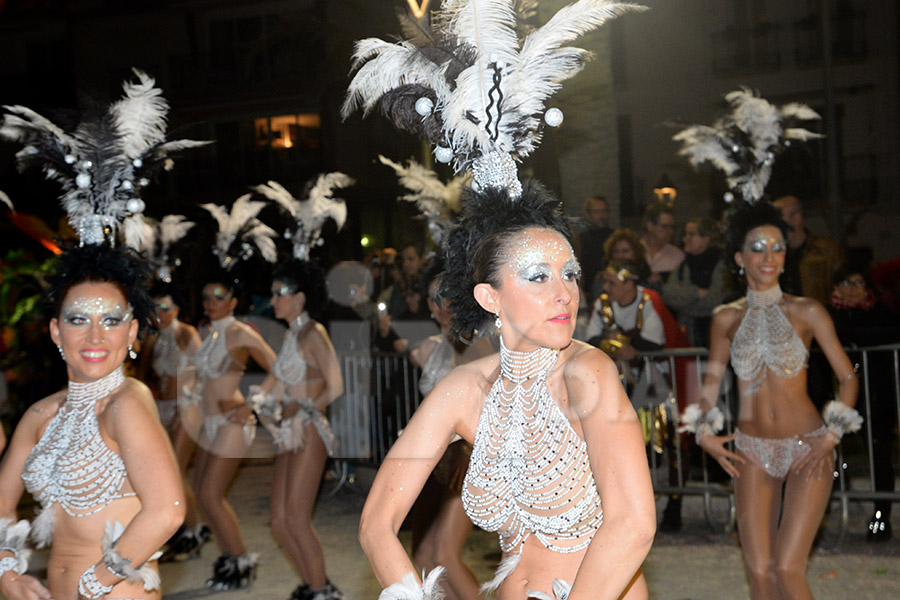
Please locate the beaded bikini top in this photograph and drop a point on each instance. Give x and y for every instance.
(766, 339)
(212, 358)
(71, 464)
(289, 366)
(168, 358)
(529, 472)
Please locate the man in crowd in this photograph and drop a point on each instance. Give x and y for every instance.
(591, 240)
(811, 260)
(662, 256)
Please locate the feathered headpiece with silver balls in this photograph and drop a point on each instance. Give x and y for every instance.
(158, 239)
(468, 84)
(240, 233)
(310, 215)
(104, 162)
(744, 144)
(438, 202)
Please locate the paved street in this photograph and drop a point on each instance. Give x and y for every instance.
(696, 564)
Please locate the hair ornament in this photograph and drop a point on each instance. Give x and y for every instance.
(744, 144)
(158, 239)
(240, 231)
(439, 202)
(102, 163)
(473, 84)
(310, 215)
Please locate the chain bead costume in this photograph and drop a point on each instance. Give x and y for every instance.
(169, 360)
(290, 369)
(71, 465)
(529, 472)
(212, 359)
(766, 339)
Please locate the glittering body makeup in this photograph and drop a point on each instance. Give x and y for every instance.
(529, 473)
(766, 340)
(71, 465)
(82, 310)
(530, 259)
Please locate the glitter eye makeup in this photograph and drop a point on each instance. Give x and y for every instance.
(532, 261)
(283, 290)
(759, 243)
(571, 271)
(82, 311)
(164, 306)
(219, 294)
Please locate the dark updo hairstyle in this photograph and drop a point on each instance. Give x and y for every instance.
(161, 289)
(478, 246)
(746, 217)
(222, 277)
(307, 278)
(99, 263)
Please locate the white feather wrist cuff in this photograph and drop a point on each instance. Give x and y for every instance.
(695, 421)
(410, 589)
(840, 418)
(12, 539)
(121, 567)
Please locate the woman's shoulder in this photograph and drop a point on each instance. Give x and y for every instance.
(585, 363)
(478, 374)
(133, 395)
(44, 409)
(730, 310)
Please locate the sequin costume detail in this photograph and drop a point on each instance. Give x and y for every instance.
(71, 465)
(766, 339)
(169, 360)
(530, 472)
(441, 361)
(775, 456)
(212, 358)
(290, 368)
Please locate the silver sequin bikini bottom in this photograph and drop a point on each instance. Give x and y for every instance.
(774, 455)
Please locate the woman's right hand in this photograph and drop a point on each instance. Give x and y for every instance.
(23, 587)
(715, 446)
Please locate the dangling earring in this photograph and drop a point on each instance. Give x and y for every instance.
(61, 351)
(131, 351)
(741, 271)
(497, 320)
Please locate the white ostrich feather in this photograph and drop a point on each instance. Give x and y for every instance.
(504, 570)
(409, 587)
(5, 200)
(172, 228)
(140, 116)
(23, 118)
(135, 230)
(241, 225)
(176, 145)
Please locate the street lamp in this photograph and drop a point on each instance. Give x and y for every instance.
(665, 190)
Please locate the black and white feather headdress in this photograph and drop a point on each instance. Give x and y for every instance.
(470, 86)
(439, 202)
(104, 161)
(744, 144)
(158, 239)
(240, 233)
(309, 215)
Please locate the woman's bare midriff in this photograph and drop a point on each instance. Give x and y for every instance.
(221, 395)
(537, 570)
(76, 546)
(779, 408)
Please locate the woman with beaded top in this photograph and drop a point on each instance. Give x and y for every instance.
(229, 425)
(783, 461)
(305, 378)
(95, 454)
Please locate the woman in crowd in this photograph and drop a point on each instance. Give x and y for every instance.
(229, 425)
(623, 244)
(697, 285)
(784, 458)
(305, 378)
(170, 354)
(862, 320)
(94, 455)
(551, 427)
(440, 526)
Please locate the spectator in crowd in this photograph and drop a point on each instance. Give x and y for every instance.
(662, 255)
(592, 239)
(411, 261)
(811, 260)
(622, 244)
(697, 285)
(862, 320)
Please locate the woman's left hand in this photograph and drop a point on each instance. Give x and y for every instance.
(819, 461)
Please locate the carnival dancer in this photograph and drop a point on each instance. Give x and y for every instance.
(229, 425)
(783, 462)
(94, 455)
(305, 379)
(551, 427)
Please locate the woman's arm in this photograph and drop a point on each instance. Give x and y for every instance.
(618, 460)
(24, 438)
(325, 358)
(405, 470)
(131, 421)
(257, 347)
(419, 356)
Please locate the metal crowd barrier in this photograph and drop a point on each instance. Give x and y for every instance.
(381, 393)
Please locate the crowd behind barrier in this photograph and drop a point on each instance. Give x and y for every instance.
(380, 396)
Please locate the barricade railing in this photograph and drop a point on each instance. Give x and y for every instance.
(381, 393)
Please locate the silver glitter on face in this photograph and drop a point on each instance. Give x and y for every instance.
(86, 310)
(759, 242)
(282, 289)
(532, 260)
